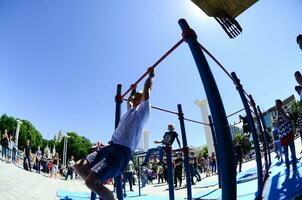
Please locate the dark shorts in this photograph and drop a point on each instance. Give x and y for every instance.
(109, 161)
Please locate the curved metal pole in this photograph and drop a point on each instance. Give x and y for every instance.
(118, 100)
(262, 132)
(216, 149)
(265, 136)
(186, 152)
(224, 139)
(254, 133)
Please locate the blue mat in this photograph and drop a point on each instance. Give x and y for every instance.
(69, 195)
(242, 177)
(245, 191)
(283, 185)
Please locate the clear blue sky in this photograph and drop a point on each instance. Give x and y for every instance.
(60, 61)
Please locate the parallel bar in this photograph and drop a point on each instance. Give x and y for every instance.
(228, 172)
(254, 133)
(186, 151)
(235, 113)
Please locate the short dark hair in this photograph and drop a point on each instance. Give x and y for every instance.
(297, 73)
(299, 37)
(278, 101)
(297, 88)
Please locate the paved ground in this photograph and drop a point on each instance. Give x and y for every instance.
(16, 183)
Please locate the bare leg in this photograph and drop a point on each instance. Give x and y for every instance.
(82, 168)
(93, 183)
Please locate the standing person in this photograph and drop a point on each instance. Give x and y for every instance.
(55, 165)
(111, 160)
(15, 150)
(238, 155)
(70, 168)
(277, 146)
(194, 168)
(165, 170)
(4, 143)
(10, 148)
(201, 164)
(44, 162)
(38, 160)
(207, 165)
(299, 41)
(167, 140)
(27, 153)
(178, 170)
(128, 175)
(286, 135)
(213, 162)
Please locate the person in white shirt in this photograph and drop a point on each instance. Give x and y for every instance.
(110, 161)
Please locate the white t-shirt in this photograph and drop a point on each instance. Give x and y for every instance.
(129, 129)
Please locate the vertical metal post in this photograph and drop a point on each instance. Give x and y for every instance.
(170, 172)
(216, 149)
(93, 195)
(265, 135)
(118, 100)
(254, 132)
(139, 175)
(228, 172)
(186, 152)
(262, 132)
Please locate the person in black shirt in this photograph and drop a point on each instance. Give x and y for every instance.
(167, 140)
(178, 170)
(27, 152)
(4, 143)
(238, 155)
(193, 168)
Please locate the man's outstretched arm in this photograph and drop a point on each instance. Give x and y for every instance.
(148, 86)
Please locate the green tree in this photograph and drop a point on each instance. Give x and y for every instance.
(243, 140)
(77, 146)
(295, 111)
(202, 152)
(29, 132)
(9, 123)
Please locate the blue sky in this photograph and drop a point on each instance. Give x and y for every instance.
(60, 61)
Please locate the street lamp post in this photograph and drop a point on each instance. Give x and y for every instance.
(65, 138)
(19, 122)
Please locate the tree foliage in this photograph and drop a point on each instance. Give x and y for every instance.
(202, 152)
(29, 132)
(295, 111)
(9, 123)
(243, 140)
(78, 146)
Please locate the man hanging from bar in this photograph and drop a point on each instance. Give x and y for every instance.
(111, 160)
